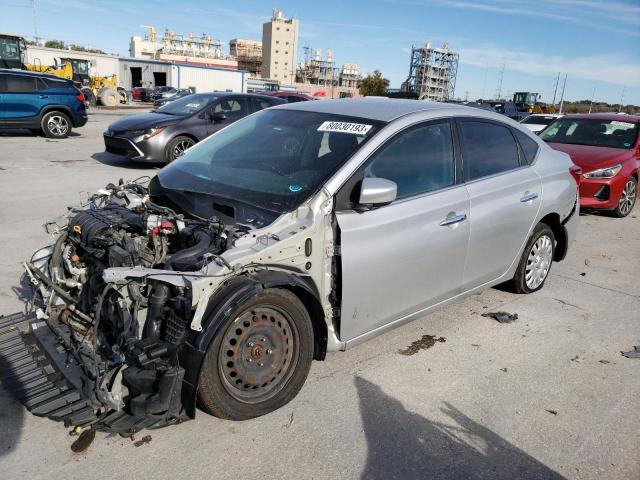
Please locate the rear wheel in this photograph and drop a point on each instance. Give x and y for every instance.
(177, 146)
(55, 125)
(627, 198)
(109, 97)
(535, 262)
(260, 359)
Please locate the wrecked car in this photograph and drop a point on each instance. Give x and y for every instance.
(296, 231)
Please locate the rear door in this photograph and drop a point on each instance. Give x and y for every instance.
(21, 99)
(403, 257)
(505, 196)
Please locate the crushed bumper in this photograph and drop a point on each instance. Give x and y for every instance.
(37, 367)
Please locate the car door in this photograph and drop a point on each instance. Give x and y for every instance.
(505, 195)
(3, 91)
(21, 100)
(401, 258)
(232, 107)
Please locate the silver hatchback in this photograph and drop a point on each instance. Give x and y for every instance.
(298, 230)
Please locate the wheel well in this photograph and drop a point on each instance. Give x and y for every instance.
(55, 108)
(635, 175)
(191, 136)
(317, 319)
(552, 220)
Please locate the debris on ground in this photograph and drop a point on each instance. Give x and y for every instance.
(586, 262)
(606, 362)
(427, 341)
(504, 369)
(552, 412)
(576, 359)
(583, 274)
(502, 317)
(84, 440)
(634, 353)
(142, 441)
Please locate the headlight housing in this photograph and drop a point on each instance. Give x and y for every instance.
(152, 132)
(608, 172)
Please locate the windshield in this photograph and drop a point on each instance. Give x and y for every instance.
(187, 105)
(594, 132)
(534, 120)
(274, 160)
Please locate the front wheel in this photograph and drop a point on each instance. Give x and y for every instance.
(177, 146)
(536, 260)
(260, 359)
(55, 125)
(627, 198)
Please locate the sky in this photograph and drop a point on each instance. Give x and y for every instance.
(525, 43)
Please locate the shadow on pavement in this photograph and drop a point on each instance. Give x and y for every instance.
(23, 132)
(404, 445)
(11, 416)
(117, 161)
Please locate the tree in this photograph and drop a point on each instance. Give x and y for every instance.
(54, 44)
(373, 84)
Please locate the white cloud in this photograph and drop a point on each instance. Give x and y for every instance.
(613, 69)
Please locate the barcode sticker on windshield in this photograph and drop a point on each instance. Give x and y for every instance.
(622, 124)
(345, 127)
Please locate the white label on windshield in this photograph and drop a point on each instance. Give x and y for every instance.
(345, 127)
(622, 124)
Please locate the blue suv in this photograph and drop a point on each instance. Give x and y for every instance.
(42, 103)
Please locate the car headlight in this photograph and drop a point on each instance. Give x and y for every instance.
(152, 132)
(608, 172)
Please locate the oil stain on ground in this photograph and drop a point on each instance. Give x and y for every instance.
(427, 341)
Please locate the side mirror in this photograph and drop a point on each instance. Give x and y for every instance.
(377, 191)
(217, 117)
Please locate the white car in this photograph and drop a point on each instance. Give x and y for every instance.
(538, 121)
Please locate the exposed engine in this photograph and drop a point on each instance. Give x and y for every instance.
(125, 337)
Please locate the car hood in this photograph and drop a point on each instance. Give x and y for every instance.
(592, 158)
(144, 120)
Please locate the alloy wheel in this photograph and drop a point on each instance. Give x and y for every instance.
(628, 197)
(58, 125)
(181, 147)
(259, 354)
(539, 262)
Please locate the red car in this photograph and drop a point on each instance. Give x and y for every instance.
(292, 97)
(606, 147)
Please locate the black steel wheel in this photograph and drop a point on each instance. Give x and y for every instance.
(260, 359)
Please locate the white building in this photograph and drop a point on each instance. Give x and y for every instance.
(279, 45)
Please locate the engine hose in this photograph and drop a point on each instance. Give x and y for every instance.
(187, 259)
(155, 306)
(56, 258)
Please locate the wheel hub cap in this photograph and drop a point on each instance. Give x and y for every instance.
(57, 125)
(539, 262)
(628, 197)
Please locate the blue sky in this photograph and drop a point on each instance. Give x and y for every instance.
(596, 43)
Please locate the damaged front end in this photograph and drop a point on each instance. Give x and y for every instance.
(103, 349)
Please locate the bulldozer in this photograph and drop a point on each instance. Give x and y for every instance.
(95, 88)
(527, 102)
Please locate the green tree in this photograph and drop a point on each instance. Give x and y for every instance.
(54, 44)
(373, 84)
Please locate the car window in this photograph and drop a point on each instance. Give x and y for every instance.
(20, 84)
(593, 132)
(292, 99)
(418, 160)
(487, 149)
(233, 108)
(261, 103)
(52, 83)
(528, 146)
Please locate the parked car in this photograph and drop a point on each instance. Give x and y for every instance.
(607, 148)
(302, 229)
(141, 94)
(183, 92)
(164, 134)
(536, 122)
(163, 92)
(292, 97)
(44, 104)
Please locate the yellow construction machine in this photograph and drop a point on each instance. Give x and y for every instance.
(527, 102)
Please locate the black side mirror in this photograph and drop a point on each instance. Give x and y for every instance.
(217, 117)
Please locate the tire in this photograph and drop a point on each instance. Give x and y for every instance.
(89, 97)
(176, 147)
(109, 97)
(627, 198)
(55, 125)
(260, 358)
(533, 268)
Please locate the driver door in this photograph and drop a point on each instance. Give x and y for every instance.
(404, 257)
(233, 108)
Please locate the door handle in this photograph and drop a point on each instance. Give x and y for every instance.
(453, 220)
(44, 96)
(528, 197)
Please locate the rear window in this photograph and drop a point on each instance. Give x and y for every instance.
(20, 84)
(487, 149)
(528, 146)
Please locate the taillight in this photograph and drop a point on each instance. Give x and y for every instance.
(80, 97)
(576, 173)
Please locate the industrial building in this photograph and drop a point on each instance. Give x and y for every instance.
(432, 72)
(188, 49)
(248, 54)
(279, 45)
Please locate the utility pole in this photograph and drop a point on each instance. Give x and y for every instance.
(593, 95)
(466, 95)
(499, 91)
(562, 94)
(556, 89)
(621, 98)
(35, 21)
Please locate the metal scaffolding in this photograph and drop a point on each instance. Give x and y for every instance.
(432, 72)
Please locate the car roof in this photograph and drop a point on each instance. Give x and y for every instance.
(27, 73)
(378, 108)
(620, 117)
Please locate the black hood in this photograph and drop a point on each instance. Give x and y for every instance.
(143, 121)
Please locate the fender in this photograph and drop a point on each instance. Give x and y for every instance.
(234, 293)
